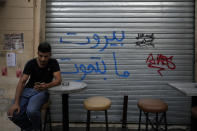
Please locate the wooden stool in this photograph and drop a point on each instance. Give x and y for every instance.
(47, 116)
(194, 118)
(194, 112)
(154, 106)
(97, 103)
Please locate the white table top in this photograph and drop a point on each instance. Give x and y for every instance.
(189, 88)
(71, 88)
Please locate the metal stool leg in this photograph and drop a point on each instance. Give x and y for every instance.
(139, 124)
(157, 124)
(165, 121)
(106, 119)
(146, 121)
(88, 121)
(45, 120)
(41, 124)
(50, 125)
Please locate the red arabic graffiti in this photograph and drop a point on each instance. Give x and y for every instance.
(160, 62)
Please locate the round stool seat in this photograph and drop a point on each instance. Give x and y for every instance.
(97, 103)
(152, 105)
(194, 112)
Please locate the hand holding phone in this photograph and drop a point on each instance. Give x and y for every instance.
(39, 86)
(37, 83)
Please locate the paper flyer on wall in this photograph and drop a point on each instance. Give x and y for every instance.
(14, 41)
(11, 59)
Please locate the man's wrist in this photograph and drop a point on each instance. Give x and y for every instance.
(16, 103)
(47, 86)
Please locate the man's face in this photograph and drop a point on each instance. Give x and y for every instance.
(43, 58)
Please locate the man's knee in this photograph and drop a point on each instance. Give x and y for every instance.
(33, 112)
(16, 116)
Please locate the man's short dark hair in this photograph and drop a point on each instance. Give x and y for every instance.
(44, 47)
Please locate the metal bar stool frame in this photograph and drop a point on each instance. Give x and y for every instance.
(88, 120)
(47, 119)
(96, 103)
(153, 106)
(155, 125)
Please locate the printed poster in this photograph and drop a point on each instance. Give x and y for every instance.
(14, 41)
(11, 59)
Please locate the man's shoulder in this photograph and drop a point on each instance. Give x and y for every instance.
(52, 60)
(29, 65)
(32, 61)
(54, 65)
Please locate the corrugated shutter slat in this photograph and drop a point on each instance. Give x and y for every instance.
(99, 38)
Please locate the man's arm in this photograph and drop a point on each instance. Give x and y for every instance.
(57, 81)
(20, 86)
(18, 93)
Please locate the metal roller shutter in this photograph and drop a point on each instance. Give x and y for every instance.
(123, 47)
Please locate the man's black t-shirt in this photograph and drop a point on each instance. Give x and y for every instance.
(38, 74)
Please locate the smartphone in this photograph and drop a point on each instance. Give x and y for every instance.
(37, 83)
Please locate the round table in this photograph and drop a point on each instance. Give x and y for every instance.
(65, 89)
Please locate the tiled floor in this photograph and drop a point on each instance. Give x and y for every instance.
(58, 128)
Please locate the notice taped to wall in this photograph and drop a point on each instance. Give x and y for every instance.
(11, 59)
(14, 41)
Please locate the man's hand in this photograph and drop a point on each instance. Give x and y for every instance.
(14, 107)
(40, 86)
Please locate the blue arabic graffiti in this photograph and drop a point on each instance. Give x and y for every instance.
(90, 68)
(125, 74)
(96, 37)
(100, 67)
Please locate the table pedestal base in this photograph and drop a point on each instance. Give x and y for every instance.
(65, 112)
(193, 120)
